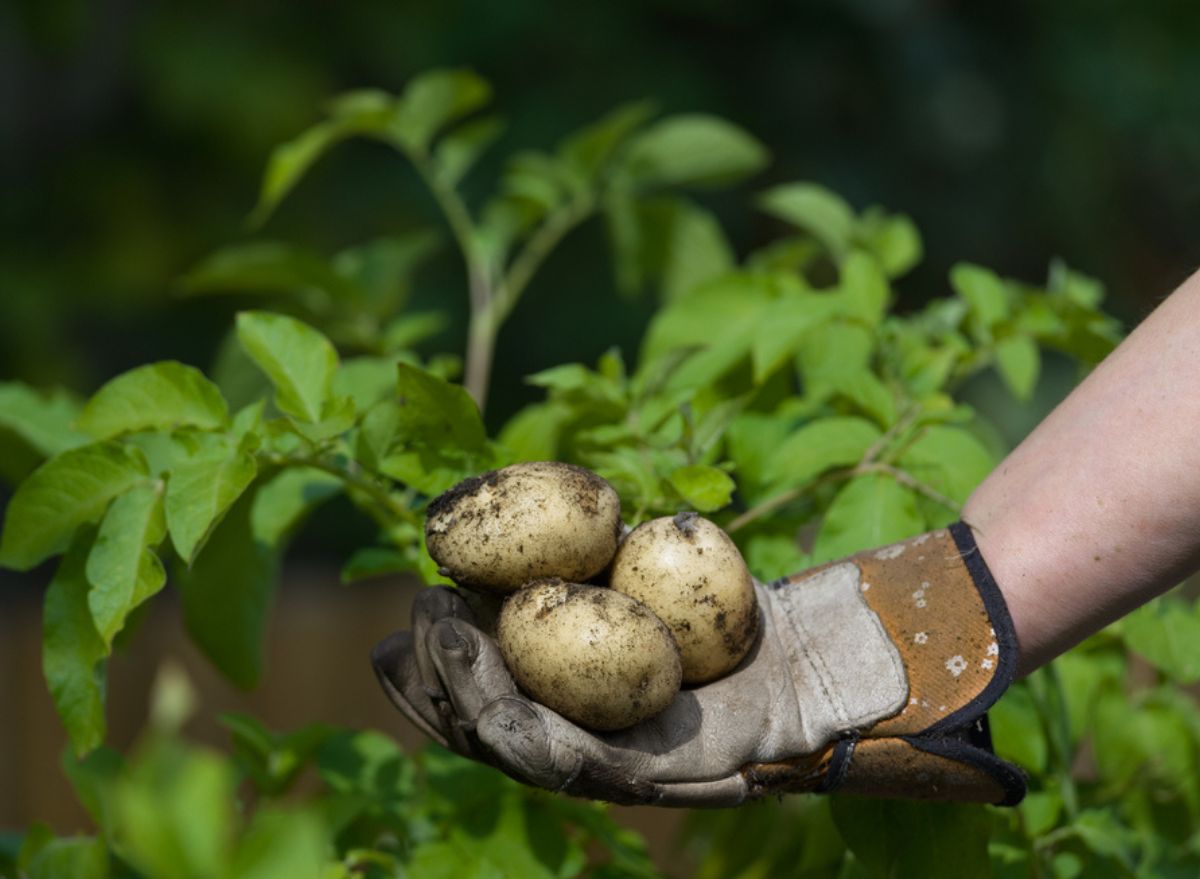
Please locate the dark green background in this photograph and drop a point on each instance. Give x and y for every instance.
(132, 137)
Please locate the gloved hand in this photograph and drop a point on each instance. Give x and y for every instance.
(871, 675)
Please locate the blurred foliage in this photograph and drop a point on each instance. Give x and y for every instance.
(131, 136)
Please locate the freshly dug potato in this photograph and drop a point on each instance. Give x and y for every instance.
(505, 528)
(688, 571)
(597, 657)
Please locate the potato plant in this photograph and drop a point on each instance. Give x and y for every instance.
(790, 393)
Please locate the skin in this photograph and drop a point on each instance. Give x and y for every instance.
(1098, 510)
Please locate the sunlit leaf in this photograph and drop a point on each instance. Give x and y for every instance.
(299, 361)
(67, 491)
(122, 567)
(814, 209)
(73, 653)
(694, 150)
(705, 488)
(871, 510)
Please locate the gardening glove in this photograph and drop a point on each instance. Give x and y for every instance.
(871, 675)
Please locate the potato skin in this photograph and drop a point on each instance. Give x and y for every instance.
(597, 657)
(505, 528)
(688, 571)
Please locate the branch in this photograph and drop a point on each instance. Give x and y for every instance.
(537, 247)
(354, 481)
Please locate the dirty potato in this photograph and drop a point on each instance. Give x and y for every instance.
(597, 657)
(503, 529)
(688, 571)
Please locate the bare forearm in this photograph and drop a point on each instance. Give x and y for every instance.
(1098, 510)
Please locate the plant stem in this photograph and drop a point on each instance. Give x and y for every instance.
(394, 510)
(491, 299)
(481, 349)
(537, 247)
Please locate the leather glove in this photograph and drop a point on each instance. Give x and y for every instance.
(871, 675)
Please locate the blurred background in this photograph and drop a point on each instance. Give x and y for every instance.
(133, 137)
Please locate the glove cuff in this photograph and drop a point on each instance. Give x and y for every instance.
(943, 611)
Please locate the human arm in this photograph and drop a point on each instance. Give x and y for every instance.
(1098, 510)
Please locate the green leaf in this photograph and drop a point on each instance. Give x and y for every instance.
(894, 838)
(408, 330)
(67, 491)
(77, 858)
(164, 395)
(840, 441)
(73, 653)
(985, 295)
(669, 241)
(364, 112)
(869, 511)
(201, 488)
(366, 380)
(273, 761)
(282, 502)
(299, 361)
(949, 459)
(458, 151)
(122, 567)
(870, 394)
(432, 101)
(175, 812)
(43, 419)
(532, 434)
(864, 288)
(706, 488)
(1167, 633)
(227, 592)
(694, 150)
(784, 326)
(771, 556)
(1017, 730)
(590, 149)
(728, 304)
(814, 209)
(272, 267)
(892, 238)
(834, 358)
(93, 779)
(753, 439)
(1040, 811)
(282, 844)
(435, 412)
(1019, 361)
(368, 764)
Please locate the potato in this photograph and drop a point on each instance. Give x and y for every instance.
(503, 529)
(597, 657)
(688, 571)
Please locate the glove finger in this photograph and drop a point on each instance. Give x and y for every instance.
(518, 735)
(664, 763)
(429, 606)
(395, 665)
(469, 666)
(718, 793)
